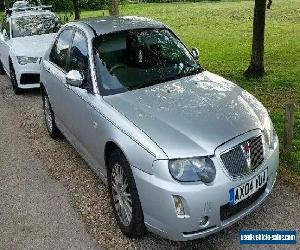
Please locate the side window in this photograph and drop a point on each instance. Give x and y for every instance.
(60, 49)
(79, 59)
(5, 26)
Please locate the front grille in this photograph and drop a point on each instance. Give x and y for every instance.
(235, 160)
(30, 79)
(256, 151)
(226, 211)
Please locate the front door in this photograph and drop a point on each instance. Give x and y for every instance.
(55, 73)
(78, 111)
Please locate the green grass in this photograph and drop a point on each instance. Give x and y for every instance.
(223, 31)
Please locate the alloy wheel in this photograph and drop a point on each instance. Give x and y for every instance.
(121, 195)
(48, 114)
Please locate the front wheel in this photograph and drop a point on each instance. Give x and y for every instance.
(53, 130)
(124, 196)
(13, 79)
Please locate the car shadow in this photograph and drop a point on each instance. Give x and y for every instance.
(31, 92)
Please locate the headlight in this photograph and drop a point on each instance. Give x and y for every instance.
(269, 133)
(25, 60)
(196, 169)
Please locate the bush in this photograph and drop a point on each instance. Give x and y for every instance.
(60, 5)
(92, 4)
(64, 5)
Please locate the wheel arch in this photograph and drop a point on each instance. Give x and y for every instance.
(110, 147)
(11, 63)
(42, 86)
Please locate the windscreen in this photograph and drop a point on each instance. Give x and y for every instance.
(135, 59)
(34, 25)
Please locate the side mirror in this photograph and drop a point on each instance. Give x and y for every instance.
(195, 53)
(74, 78)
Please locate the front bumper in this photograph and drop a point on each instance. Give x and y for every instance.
(156, 194)
(28, 75)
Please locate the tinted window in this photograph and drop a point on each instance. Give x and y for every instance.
(60, 50)
(34, 25)
(79, 55)
(139, 58)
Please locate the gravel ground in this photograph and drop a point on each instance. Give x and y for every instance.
(89, 196)
(35, 212)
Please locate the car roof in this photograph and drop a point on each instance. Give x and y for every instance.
(30, 13)
(111, 24)
(18, 3)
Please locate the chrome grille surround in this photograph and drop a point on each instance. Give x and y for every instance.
(235, 159)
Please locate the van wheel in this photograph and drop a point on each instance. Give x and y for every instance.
(13, 79)
(53, 130)
(124, 196)
(2, 71)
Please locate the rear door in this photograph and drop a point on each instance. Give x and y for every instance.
(55, 73)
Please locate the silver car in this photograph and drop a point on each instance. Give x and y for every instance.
(185, 152)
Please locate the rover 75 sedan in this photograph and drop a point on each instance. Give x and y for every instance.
(184, 152)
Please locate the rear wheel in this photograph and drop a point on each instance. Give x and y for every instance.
(124, 196)
(13, 79)
(53, 130)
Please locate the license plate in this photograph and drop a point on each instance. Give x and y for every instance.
(248, 188)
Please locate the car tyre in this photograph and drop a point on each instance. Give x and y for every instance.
(53, 130)
(124, 196)
(13, 79)
(2, 71)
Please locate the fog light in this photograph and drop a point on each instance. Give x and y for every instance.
(203, 221)
(178, 205)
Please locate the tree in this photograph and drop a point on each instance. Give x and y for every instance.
(76, 9)
(6, 4)
(113, 7)
(257, 67)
